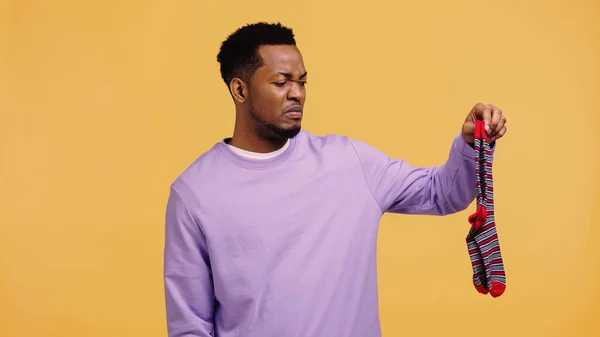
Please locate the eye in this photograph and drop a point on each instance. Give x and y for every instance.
(280, 84)
(302, 83)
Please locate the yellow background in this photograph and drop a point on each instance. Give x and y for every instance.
(103, 103)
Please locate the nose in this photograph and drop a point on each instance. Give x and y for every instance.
(297, 92)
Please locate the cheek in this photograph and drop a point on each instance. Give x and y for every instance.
(269, 103)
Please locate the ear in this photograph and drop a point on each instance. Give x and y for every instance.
(239, 90)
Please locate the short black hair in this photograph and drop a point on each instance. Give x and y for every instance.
(239, 56)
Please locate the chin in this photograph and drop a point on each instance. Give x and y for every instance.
(291, 132)
(286, 132)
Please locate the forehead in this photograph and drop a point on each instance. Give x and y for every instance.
(282, 58)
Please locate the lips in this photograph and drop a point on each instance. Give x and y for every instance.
(294, 111)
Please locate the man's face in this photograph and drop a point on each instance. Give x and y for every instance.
(277, 92)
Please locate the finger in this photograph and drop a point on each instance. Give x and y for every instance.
(501, 133)
(495, 120)
(498, 136)
(500, 125)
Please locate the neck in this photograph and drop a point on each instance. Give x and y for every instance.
(246, 138)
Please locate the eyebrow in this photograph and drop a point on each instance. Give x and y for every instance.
(288, 75)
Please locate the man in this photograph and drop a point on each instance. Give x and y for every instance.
(272, 232)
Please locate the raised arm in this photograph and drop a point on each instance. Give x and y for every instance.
(187, 275)
(400, 187)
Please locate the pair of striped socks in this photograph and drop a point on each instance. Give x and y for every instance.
(482, 240)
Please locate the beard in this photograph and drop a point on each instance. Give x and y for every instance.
(269, 130)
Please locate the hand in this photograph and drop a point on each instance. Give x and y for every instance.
(495, 123)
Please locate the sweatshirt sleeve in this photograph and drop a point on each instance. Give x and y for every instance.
(187, 275)
(399, 187)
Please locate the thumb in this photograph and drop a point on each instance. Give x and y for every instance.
(468, 128)
(468, 131)
(484, 112)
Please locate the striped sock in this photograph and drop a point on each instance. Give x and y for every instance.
(476, 220)
(483, 230)
(479, 278)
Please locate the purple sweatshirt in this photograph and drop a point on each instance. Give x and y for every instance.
(286, 246)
